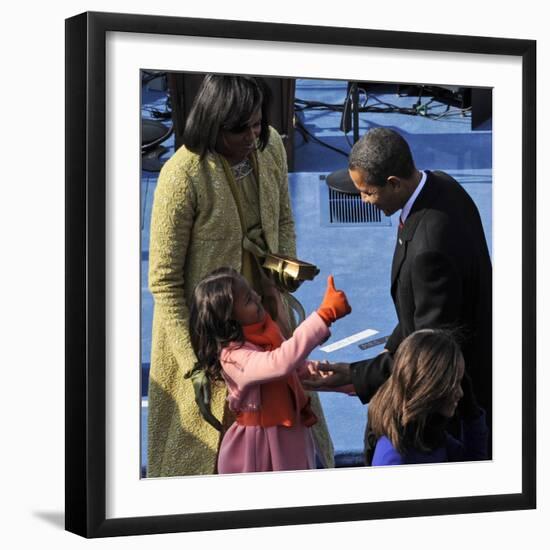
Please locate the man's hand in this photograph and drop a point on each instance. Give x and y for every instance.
(329, 376)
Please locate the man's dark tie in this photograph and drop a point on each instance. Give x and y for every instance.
(400, 224)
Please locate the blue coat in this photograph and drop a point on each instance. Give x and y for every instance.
(472, 445)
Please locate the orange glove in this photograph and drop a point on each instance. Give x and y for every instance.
(335, 304)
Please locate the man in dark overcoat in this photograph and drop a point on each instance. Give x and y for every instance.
(441, 275)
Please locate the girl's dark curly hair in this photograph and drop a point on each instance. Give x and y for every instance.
(210, 323)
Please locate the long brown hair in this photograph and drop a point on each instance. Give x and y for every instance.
(425, 373)
(211, 326)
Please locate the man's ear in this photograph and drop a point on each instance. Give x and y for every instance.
(395, 182)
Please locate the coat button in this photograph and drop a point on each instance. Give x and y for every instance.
(400, 241)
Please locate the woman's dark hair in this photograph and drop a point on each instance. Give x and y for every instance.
(226, 103)
(425, 373)
(382, 153)
(210, 322)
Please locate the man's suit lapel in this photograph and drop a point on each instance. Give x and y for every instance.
(398, 257)
(405, 235)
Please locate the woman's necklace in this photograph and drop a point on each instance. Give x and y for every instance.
(242, 169)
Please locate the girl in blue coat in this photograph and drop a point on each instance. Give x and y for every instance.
(410, 411)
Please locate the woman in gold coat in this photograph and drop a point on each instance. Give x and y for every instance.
(229, 180)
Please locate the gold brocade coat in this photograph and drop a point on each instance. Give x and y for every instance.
(195, 228)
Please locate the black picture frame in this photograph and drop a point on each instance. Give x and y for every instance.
(86, 273)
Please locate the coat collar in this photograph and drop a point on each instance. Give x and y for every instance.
(421, 204)
(265, 193)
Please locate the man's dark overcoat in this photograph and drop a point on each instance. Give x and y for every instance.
(441, 278)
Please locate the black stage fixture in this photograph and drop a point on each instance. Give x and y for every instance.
(340, 179)
(153, 133)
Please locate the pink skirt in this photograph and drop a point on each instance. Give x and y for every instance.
(258, 449)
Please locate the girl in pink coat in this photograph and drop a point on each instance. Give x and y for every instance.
(236, 340)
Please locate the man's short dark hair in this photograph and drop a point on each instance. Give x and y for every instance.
(382, 153)
(225, 102)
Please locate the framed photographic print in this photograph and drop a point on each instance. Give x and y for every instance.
(479, 91)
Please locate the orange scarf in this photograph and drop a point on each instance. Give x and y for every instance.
(280, 399)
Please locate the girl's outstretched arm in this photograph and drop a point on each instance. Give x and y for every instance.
(247, 366)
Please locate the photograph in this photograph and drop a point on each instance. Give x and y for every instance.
(288, 145)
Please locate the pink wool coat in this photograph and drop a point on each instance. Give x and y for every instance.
(245, 368)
